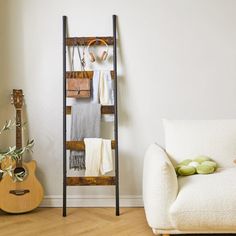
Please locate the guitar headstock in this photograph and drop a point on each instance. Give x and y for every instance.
(17, 98)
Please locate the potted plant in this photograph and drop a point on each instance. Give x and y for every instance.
(13, 154)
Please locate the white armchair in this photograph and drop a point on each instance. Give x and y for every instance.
(197, 203)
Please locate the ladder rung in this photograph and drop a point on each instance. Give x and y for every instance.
(83, 41)
(92, 181)
(104, 110)
(84, 74)
(80, 146)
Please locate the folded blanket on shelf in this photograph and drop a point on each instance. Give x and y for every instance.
(93, 154)
(98, 156)
(85, 123)
(106, 160)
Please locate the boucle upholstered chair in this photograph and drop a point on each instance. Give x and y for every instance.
(198, 203)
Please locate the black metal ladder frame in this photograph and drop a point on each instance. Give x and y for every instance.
(114, 18)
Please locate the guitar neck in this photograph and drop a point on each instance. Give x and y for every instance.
(18, 129)
(17, 100)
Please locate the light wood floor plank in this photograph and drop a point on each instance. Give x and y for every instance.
(79, 221)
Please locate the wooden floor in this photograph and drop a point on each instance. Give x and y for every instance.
(79, 221)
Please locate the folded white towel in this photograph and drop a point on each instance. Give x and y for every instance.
(98, 156)
(106, 161)
(93, 155)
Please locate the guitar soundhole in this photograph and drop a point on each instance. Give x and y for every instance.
(20, 172)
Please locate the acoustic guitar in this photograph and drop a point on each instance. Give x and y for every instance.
(20, 196)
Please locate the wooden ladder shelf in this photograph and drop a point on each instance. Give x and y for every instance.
(92, 181)
(104, 110)
(79, 145)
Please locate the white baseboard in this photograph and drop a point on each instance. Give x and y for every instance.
(91, 201)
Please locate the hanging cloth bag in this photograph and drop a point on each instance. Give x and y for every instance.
(77, 87)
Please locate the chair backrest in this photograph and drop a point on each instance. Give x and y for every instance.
(190, 138)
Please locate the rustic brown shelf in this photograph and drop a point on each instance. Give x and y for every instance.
(104, 110)
(90, 181)
(80, 146)
(83, 74)
(84, 41)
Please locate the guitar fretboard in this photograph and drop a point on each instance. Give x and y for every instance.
(18, 133)
(18, 130)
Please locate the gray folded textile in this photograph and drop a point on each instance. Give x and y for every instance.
(85, 123)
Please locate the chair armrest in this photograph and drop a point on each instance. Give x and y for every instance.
(160, 187)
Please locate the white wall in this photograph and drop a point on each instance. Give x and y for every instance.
(4, 92)
(176, 60)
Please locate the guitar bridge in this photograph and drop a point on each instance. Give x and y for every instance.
(19, 192)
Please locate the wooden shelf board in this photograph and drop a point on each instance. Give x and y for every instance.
(84, 74)
(104, 110)
(90, 181)
(80, 146)
(84, 41)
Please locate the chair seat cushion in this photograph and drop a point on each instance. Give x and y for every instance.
(206, 202)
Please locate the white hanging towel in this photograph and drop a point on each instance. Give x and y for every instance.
(106, 92)
(106, 89)
(98, 156)
(95, 88)
(93, 155)
(106, 163)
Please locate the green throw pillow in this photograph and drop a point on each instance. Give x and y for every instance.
(187, 170)
(201, 159)
(199, 165)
